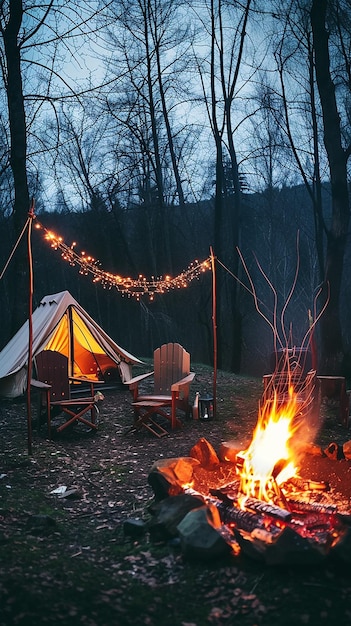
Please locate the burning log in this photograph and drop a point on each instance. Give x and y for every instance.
(264, 522)
(231, 497)
(264, 508)
(229, 493)
(242, 519)
(303, 484)
(312, 507)
(320, 509)
(260, 510)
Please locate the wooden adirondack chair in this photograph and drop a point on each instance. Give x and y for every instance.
(172, 379)
(53, 380)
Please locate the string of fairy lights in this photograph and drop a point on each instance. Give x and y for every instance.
(127, 286)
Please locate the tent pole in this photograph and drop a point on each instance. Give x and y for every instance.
(70, 340)
(214, 326)
(31, 216)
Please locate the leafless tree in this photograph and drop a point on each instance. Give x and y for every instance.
(332, 16)
(222, 77)
(150, 40)
(312, 46)
(35, 42)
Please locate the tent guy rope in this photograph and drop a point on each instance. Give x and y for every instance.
(27, 228)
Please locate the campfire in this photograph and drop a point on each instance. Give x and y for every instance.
(255, 498)
(268, 461)
(258, 499)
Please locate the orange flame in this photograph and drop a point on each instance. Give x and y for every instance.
(268, 448)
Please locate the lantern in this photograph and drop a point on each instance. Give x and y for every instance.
(206, 407)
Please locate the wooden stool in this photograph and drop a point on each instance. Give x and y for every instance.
(143, 417)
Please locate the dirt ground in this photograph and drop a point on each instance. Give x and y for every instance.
(67, 560)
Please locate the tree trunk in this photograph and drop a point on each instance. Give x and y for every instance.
(18, 154)
(331, 335)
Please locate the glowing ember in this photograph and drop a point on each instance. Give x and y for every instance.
(269, 450)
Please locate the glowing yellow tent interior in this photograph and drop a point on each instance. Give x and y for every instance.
(60, 323)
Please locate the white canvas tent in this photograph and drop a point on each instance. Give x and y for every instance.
(61, 324)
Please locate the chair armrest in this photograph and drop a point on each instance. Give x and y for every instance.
(82, 379)
(183, 382)
(85, 380)
(134, 382)
(38, 384)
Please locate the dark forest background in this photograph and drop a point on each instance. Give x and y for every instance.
(278, 236)
(151, 131)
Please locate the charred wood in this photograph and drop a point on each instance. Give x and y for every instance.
(311, 507)
(270, 510)
(308, 485)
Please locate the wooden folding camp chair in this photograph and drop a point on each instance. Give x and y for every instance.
(172, 379)
(53, 381)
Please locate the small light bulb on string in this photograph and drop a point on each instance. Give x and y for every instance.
(125, 286)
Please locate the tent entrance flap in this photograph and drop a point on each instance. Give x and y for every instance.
(86, 357)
